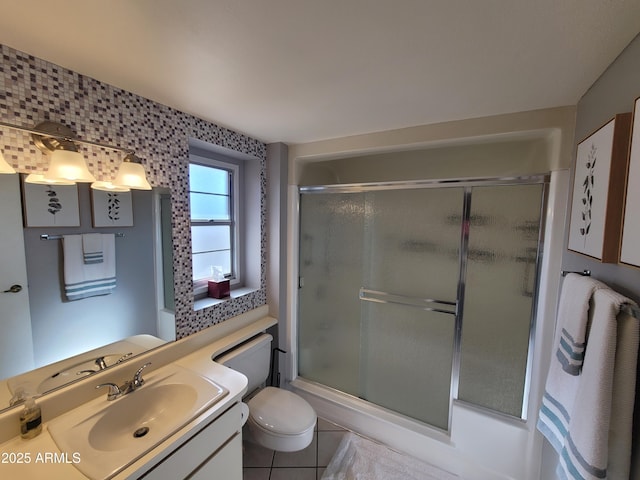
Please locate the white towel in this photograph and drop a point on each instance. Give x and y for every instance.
(623, 399)
(87, 280)
(592, 438)
(573, 314)
(585, 454)
(563, 380)
(92, 248)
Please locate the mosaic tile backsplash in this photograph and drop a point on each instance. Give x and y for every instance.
(33, 90)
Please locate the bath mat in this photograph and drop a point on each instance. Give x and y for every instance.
(360, 459)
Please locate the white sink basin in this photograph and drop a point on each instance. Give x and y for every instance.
(110, 435)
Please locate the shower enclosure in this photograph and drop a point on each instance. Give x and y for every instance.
(413, 294)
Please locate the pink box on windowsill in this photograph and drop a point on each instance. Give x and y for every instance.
(219, 289)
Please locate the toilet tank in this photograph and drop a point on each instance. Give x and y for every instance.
(251, 359)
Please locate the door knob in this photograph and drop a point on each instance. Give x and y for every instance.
(14, 289)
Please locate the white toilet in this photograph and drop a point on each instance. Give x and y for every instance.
(278, 419)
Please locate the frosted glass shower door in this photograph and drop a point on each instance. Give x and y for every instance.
(370, 264)
(408, 325)
(500, 296)
(331, 261)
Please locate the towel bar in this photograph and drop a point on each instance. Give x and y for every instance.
(44, 236)
(632, 310)
(584, 273)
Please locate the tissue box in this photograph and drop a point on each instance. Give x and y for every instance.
(219, 289)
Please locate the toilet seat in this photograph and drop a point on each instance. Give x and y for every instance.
(281, 420)
(281, 412)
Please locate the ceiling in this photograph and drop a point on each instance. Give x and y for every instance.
(301, 70)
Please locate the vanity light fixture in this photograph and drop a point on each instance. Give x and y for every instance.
(67, 165)
(66, 162)
(131, 174)
(4, 165)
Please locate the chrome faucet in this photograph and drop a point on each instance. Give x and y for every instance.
(129, 386)
(138, 381)
(101, 363)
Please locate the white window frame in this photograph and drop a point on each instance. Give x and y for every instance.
(200, 286)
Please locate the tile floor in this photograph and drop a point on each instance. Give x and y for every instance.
(260, 463)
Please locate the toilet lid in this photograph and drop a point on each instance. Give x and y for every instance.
(281, 411)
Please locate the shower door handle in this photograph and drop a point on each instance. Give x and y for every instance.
(429, 304)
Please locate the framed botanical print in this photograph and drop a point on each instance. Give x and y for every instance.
(630, 246)
(50, 205)
(598, 191)
(111, 209)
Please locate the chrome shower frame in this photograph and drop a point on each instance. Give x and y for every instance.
(452, 308)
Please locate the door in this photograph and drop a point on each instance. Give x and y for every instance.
(16, 343)
(379, 282)
(409, 300)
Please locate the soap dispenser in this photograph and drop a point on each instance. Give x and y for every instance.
(30, 419)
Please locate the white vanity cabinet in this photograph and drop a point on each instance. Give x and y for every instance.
(215, 452)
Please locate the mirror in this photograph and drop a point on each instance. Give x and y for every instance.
(48, 340)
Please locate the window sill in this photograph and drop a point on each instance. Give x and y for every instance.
(202, 303)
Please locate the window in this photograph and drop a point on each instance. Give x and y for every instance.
(213, 191)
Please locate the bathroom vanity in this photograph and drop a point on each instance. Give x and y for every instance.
(190, 408)
(74, 446)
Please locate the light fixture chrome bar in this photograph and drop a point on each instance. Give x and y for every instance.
(35, 131)
(443, 306)
(44, 236)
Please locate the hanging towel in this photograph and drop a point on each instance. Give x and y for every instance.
(574, 312)
(586, 450)
(92, 248)
(87, 280)
(624, 396)
(563, 378)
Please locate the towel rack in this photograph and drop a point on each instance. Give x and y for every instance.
(632, 310)
(584, 273)
(44, 236)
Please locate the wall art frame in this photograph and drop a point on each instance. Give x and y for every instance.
(630, 242)
(597, 197)
(111, 209)
(50, 205)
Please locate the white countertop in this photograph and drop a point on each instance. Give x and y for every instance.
(40, 457)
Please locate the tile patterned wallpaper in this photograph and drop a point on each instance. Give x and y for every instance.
(33, 90)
